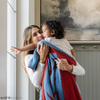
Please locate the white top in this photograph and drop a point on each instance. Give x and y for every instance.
(62, 44)
(35, 77)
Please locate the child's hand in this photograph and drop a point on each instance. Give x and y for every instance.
(14, 49)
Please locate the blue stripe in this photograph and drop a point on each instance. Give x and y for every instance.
(57, 86)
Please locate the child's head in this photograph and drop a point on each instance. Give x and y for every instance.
(53, 28)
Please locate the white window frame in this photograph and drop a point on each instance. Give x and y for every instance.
(11, 41)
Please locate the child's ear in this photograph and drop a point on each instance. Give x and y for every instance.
(53, 32)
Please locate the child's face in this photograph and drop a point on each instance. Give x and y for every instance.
(46, 32)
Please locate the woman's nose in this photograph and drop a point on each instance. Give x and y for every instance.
(39, 34)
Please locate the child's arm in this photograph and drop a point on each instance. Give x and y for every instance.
(73, 52)
(71, 48)
(31, 46)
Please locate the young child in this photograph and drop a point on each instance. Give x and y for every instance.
(53, 32)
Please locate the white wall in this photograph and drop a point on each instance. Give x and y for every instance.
(27, 14)
(3, 48)
(34, 12)
(32, 17)
(22, 23)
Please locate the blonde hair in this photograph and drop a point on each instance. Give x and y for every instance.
(26, 41)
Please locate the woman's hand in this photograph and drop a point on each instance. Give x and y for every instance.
(14, 49)
(43, 52)
(63, 64)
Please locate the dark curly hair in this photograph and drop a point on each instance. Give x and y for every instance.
(56, 26)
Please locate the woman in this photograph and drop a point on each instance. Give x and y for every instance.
(33, 34)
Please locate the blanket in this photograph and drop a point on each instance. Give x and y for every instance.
(56, 84)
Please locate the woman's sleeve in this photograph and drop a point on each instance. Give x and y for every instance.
(35, 77)
(78, 69)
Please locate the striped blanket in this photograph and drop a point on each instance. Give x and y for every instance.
(56, 84)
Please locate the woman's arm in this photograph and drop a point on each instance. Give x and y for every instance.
(36, 77)
(78, 69)
(63, 64)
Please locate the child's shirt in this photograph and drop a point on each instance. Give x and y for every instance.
(62, 44)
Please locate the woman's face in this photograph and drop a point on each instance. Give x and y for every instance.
(36, 35)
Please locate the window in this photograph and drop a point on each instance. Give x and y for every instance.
(11, 41)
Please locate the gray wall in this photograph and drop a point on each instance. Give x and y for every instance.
(89, 57)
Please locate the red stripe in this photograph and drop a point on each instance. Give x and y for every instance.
(58, 96)
(50, 72)
(69, 86)
(54, 93)
(49, 96)
(62, 55)
(54, 79)
(31, 69)
(53, 68)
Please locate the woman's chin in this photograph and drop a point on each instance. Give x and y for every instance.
(39, 39)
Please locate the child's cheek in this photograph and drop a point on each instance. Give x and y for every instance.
(43, 37)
